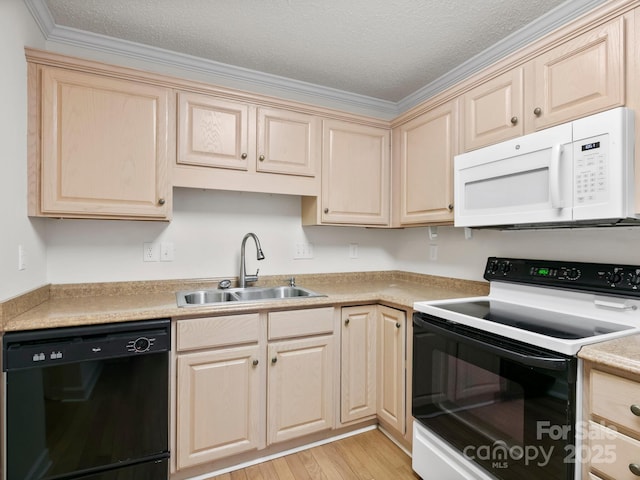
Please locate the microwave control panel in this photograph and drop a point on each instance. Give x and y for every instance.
(591, 182)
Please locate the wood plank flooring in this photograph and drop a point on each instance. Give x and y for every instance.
(367, 456)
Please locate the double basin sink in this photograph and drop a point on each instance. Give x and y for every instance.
(241, 295)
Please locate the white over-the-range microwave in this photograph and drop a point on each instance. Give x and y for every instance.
(575, 174)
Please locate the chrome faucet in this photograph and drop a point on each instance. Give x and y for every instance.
(244, 278)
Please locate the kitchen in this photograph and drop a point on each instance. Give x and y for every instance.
(207, 226)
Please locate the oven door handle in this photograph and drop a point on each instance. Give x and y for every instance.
(541, 360)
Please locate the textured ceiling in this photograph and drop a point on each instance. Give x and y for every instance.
(378, 48)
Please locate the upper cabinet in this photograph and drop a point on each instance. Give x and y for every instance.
(104, 146)
(579, 77)
(215, 132)
(355, 176)
(492, 111)
(423, 161)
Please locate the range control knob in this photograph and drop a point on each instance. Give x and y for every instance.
(634, 279)
(614, 277)
(573, 274)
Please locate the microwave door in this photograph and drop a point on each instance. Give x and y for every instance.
(525, 180)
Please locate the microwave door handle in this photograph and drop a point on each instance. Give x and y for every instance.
(554, 177)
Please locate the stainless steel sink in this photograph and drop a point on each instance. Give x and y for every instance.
(242, 295)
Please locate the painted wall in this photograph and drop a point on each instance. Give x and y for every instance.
(208, 226)
(17, 29)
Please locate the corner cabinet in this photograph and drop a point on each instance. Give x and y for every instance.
(99, 146)
(355, 177)
(424, 148)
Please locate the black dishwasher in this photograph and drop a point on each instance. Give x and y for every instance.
(88, 403)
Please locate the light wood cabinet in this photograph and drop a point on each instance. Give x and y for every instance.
(580, 77)
(300, 387)
(391, 381)
(99, 146)
(493, 111)
(355, 176)
(424, 148)
(358, 365)
(612, 413)
(219, 404)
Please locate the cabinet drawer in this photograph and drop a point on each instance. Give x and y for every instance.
(298, 323)
(217, 331)
(611, 453)
(612, 397)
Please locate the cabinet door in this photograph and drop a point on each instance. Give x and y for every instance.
(105, 147)
(580, 77)
(219, 406)
(355, 174)
(212, 131)
(300, 387)
(427, 146)
(391, 367)
(492, 111)
(288, 142)
(358, 353)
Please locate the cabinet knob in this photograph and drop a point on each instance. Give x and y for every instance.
(346, 322)
(450, 206)
(161, 201)
(255, 362)
(514, 120)
(537, 111)
(274, 359)
(261, 158)
(398, 324)
(635, 409)
(635, 469)
(243, 156)
(326, 210)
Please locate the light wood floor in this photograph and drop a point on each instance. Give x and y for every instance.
(367, 456)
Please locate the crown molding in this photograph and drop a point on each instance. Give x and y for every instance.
(274, 85)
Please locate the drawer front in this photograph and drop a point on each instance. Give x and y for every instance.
(299, 323)
(217, 331)
(612, 398)
(611, 453)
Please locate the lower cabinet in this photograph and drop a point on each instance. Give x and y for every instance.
(247, 381)
(373, 368)
(391, 381)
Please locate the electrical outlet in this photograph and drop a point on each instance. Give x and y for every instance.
(353, 250)
(433, 252)
(166, 252)
(303, 250)
(150, 252)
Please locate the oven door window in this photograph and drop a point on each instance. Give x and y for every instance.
(512, 418)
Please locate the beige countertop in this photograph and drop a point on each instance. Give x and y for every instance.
(620, 353)
(84, 304)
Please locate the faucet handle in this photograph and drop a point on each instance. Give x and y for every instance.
(292, 281)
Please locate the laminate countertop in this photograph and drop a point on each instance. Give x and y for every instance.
(54, 306)
(621, 353)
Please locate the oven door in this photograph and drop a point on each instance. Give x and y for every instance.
(504, 405)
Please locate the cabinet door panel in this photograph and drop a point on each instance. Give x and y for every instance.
(580, 77)
(358, 376)
(212, 132)
(492, 112)
(355, 174)
(218, 404)
(300, 385)
(427, 146)
(391, 371)
(104, 146)
(287, 142)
